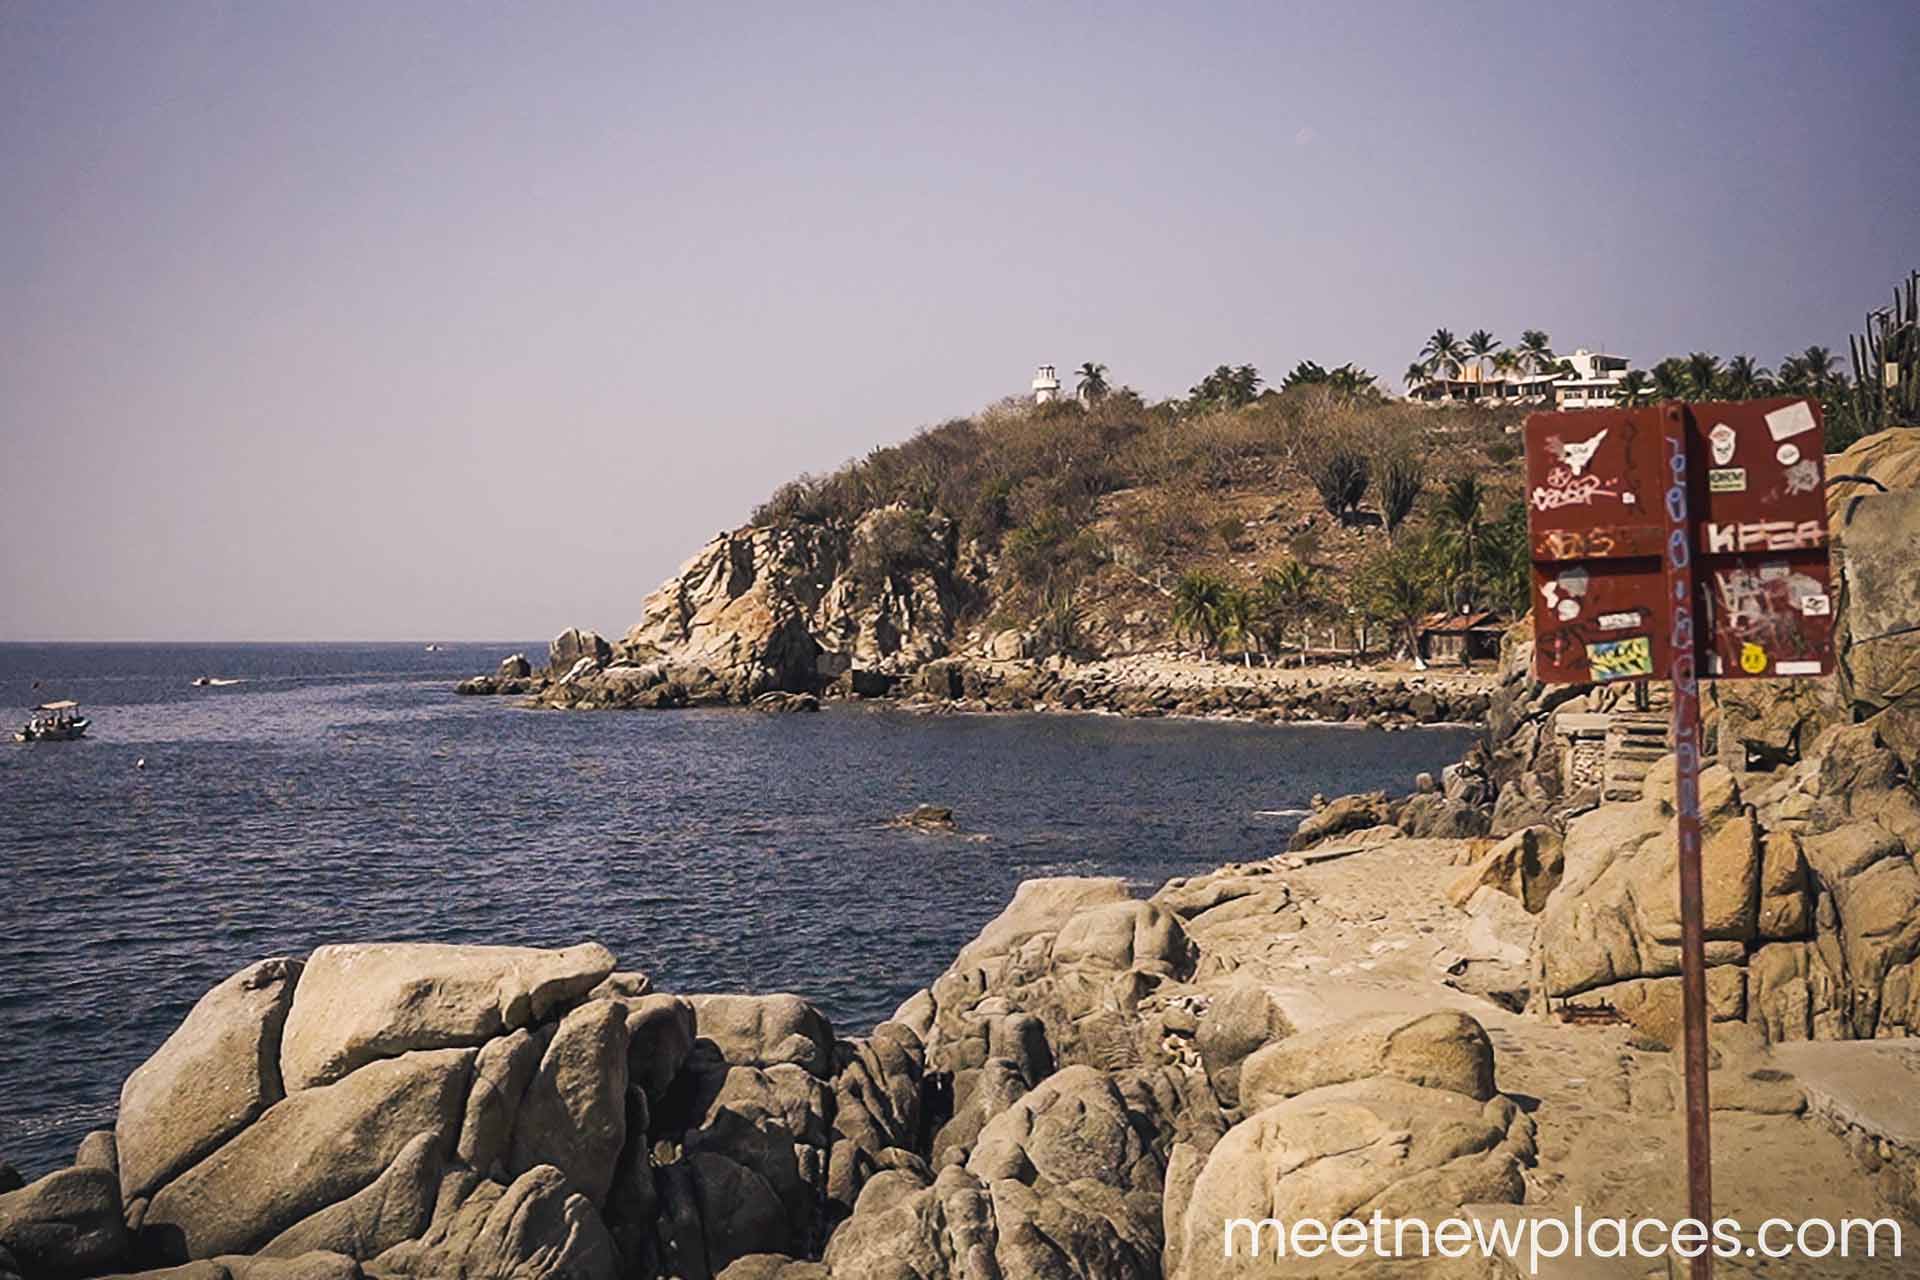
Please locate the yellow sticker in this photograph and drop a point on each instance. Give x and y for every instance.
(1753, 659)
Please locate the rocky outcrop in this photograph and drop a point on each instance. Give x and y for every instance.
(792, 609)
(1071, 1098)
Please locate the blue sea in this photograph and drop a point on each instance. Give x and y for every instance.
(343, 792)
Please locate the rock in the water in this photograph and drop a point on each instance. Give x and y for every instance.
(1338, 818)
(573, 646)
(211, 1078)
(365, 1001)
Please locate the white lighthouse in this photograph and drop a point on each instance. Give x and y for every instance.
(1046, 387)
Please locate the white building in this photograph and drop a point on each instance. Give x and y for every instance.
(1584, 380)
(1046, 387)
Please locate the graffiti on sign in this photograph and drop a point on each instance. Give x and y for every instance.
(1764, 535)
(1803, 476)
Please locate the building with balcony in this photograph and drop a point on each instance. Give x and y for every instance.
(1583, 380)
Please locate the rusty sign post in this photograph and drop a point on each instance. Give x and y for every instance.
(1684, 540)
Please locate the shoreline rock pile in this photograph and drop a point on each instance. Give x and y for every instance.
(1071, 1098)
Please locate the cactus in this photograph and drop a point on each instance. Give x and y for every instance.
(1886, 365)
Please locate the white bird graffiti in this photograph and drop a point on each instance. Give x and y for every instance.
(1578, 454)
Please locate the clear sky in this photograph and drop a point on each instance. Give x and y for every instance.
(363, 320)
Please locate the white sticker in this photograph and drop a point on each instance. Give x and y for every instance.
(1816, 606)
(1793, 420)
(1796, 668)
(1788, 454)
(1727, 480)
(1722, 439)
(1568, 610)
(1773, 569)
(1578, 454)
(1572, 581)
(1618, 621)
(1714, 665)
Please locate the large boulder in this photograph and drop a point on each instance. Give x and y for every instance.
(1442, 1050)
(1347, 1150)
(1039, 906)
(763, 1031)
(1340, 817)
(536, 1228)
(1880, 651)
(572, 647)
(66, 1224)
(211, 1078)
(365, 1001)
(312, 1149)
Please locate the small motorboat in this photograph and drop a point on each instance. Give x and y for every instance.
(53, 722)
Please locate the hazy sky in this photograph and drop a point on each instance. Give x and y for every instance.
(342, 320)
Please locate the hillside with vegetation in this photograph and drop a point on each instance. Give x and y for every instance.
(1266, 527)
(1228, 520)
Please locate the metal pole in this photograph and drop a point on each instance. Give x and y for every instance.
(1686, 799)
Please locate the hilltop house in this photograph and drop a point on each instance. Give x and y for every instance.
(1591, 384)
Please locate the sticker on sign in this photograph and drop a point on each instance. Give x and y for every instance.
(1795, 419)
(1727, 480)
(1796, 668)
(1621, 659)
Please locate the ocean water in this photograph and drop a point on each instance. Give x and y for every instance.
(343, 793)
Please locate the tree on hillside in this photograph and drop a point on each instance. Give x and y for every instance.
(1536, 351)
(1227, 387)
(1481, 345)
(1415, 375)
(1340, 475)
(1200, 608)
(1093, 382)
(1396, 587)
(1459, 523)
(1402, 477)
(1506, 563)
(1289, 594)
(1443, 353)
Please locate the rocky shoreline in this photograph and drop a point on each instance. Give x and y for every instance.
(583, 673)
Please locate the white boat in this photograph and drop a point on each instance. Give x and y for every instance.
(53, 722)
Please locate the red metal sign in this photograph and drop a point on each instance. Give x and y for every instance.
(1598, 486)
(1682, 540)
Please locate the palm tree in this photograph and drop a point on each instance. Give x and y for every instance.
(1793, 377)
(1459, 525)
(1536, 352)
(1416, 375)
(1670, 379)
(1819, 364)
(1396, 587)
(1633, 389)
(1200, 607)
(1703, 369)
(1744, 379)
(1481, 345)
(1505, 559)
(1290, 593)
(1443, 353)
(1093, 381)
